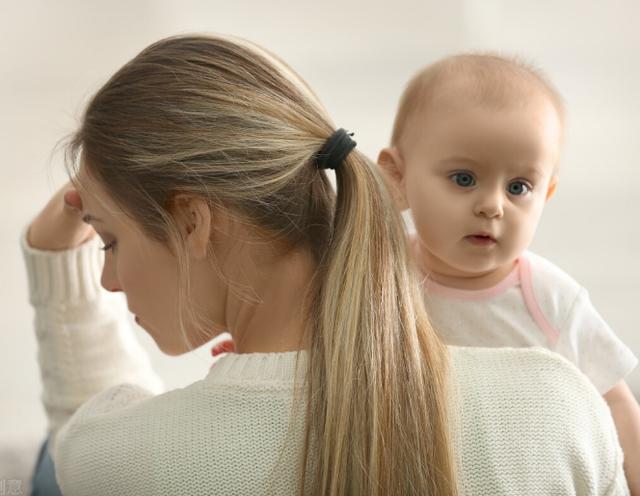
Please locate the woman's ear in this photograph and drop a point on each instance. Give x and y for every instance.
(553, 184)
(392, 166)
(193, 216)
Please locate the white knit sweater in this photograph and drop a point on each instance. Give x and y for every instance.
(525, 422)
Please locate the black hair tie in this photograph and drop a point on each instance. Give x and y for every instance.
(335, 150)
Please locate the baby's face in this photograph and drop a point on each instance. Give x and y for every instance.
(476, 179)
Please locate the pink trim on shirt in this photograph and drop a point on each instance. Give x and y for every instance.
(473, 294)
(532, 303)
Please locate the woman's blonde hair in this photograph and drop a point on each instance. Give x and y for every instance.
(227, 121)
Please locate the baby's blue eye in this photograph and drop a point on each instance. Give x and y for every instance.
(463, 179)
(518, 188)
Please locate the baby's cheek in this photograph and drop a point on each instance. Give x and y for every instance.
(523, 236)
(530, 224)
(419, 221)
(429, 229)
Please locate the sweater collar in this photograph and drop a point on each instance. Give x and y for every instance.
(258, 367)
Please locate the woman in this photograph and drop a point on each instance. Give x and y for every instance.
(200, 165)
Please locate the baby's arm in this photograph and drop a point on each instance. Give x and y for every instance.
(626, 415)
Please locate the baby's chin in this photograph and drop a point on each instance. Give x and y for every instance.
(470, 272)
(445, 262)
(469, 269)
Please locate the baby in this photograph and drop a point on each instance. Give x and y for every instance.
(474, 154)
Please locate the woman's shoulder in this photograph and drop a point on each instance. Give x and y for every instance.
(230, 423)
(541, 379)
(233, 382)
(497, 360)
(532, 412)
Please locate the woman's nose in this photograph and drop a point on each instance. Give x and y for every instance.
(109, 280)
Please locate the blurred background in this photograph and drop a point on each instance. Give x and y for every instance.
(357, 55)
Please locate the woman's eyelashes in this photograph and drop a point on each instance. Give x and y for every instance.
(104, 236)
(109, 246)
(466, 179)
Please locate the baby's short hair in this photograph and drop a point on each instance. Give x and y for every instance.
(488, 78)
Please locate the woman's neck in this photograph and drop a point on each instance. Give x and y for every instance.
(275, 320)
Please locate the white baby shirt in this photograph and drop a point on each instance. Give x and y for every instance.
(537, 304)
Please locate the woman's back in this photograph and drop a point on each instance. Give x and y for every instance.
(230, 433)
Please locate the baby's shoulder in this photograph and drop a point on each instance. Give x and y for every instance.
(546, 274)
(554, 291)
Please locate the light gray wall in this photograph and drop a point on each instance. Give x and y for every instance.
(357, 56)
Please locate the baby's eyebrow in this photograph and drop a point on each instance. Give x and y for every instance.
(88, 218)
(533, 171)
(458, 160)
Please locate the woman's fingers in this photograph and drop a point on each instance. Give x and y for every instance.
(225, 346)
(72, 200)
(59, 225)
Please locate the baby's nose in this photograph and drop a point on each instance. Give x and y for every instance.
(490, 205)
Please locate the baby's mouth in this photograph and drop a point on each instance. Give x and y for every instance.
(483, 239)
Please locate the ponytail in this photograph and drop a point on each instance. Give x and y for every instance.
(377, 418)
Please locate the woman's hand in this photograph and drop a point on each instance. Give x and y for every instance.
(226, 346)
(59, 225)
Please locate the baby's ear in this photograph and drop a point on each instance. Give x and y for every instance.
(392, 166)
(553, 184)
